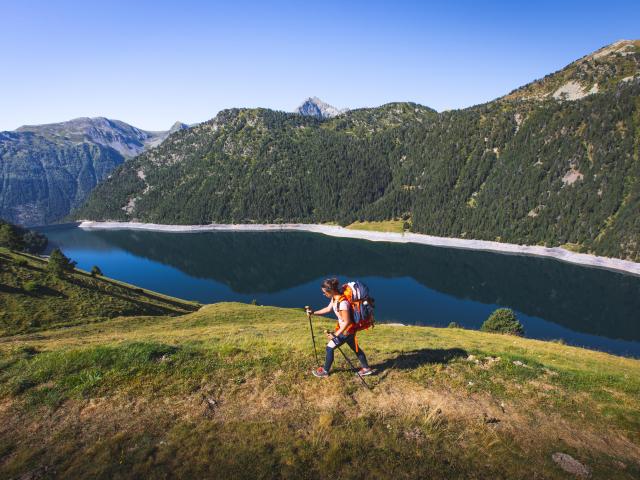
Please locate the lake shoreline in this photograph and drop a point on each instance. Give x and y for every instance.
(556, 253)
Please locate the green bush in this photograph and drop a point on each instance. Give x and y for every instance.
(453, 325)
(95, 271)
(32, 286)
(503, 320)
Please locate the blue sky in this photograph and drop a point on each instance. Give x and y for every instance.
(152, 63)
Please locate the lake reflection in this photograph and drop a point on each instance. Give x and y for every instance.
(412, 284)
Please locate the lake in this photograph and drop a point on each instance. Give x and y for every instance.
(412, 284)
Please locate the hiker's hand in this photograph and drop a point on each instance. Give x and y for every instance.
(328, 334)
(308, 310)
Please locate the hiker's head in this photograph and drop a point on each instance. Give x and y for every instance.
(331, 286)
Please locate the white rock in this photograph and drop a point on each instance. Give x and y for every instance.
(571, 465)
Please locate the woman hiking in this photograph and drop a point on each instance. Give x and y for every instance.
(345, 329)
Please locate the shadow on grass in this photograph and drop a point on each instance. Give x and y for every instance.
(9, 289)
(416, 358)
(404, 361)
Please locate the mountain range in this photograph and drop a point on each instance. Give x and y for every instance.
(47, 170)
(554, 162)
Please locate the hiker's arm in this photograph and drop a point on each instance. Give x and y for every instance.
(324, 311)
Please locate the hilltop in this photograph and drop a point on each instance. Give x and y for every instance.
(314, 107)
(599, 71)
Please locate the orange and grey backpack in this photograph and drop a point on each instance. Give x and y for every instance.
(357, 294)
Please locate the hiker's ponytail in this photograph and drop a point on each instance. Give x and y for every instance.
(331, 285)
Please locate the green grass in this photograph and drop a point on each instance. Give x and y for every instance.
(31, 299)
(226, 391)
(395, 226)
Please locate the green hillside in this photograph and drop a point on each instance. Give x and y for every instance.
(226, 392)
(554, 163)
(31, 299)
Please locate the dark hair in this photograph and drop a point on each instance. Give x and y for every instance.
(332, 285)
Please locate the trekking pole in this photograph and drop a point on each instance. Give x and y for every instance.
(349, 362)
(313, 337)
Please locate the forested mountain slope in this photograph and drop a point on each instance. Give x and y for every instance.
(555, 162)
(48, 170)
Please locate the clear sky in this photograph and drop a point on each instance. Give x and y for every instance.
(150, 63)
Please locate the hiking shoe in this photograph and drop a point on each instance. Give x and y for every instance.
(364, 372)
(320, 372)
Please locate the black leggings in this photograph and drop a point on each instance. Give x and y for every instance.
(341, 340)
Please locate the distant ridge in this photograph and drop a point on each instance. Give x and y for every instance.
(122, 137)
(47, 170)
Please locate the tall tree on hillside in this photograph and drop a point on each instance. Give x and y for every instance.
(59, 263)
(10, 237)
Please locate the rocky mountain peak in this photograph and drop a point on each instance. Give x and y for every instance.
(178, 126)
(314, 107)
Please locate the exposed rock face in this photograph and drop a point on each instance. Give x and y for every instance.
(48, 170)
(314, 107)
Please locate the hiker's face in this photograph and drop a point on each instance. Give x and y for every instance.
(326, 293)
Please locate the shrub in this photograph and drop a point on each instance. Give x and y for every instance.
(59, 264)
(95, 271)
(453, 325)
(32, 286)
(503, 320)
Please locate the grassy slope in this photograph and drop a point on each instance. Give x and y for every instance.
(226, 392)
(395, 226)
(78, 298)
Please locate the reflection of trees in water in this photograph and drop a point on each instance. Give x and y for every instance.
(582, 299)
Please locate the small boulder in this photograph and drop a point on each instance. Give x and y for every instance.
(571, 465)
